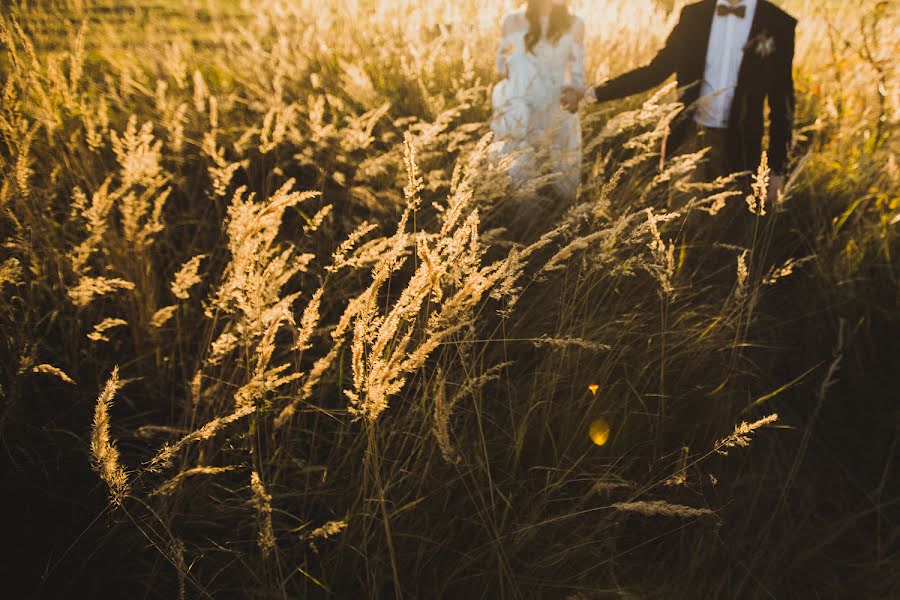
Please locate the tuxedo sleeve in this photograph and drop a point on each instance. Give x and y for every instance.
(647, 77)
(781, 103)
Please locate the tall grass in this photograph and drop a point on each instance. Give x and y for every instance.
(351, 363)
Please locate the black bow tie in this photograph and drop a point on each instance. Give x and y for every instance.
(723, 10)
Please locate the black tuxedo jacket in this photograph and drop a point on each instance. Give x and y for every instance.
(766, 72)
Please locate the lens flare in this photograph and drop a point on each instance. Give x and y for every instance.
(599, 432)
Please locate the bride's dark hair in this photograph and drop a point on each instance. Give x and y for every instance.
(558, 23)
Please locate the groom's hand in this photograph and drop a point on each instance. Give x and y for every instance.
(569, 98)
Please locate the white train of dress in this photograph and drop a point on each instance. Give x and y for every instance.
(533, 134)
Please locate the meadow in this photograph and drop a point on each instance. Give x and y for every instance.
(273, 326)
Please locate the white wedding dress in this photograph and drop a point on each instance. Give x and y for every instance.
(533, 135)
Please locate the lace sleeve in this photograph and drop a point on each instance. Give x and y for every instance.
(576, 58)
(511, 40)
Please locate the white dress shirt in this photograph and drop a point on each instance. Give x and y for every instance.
(724, 54)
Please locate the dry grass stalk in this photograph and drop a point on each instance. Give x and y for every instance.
(103, 449)
(56, 372)
(785, 270)
(561, 343)
(606, 487)
(100, 329)
(443, 407)
(187, 277)
(740, 437)
(743, 274)
(756, 202)
(662, 508)
(327, 531)
(10, 272)
(173, 484)
(163, 316)
(164, 457)
(262, 501)
(89, 288)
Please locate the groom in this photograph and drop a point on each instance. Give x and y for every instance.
(728, 57)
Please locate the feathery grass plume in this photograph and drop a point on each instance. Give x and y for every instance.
(262, 501)
(56, 372)
(96, 221)
(163, 316)
(743, 274)
(321, 366)
(339, 258)
(327, 531)
(201, 92)
(94, 136)
(10, 272)
(308, 322)
(174, 123)
(413, 178)
(196, 386)
(76, 58)
(558, 260)
(103, 450)
(441, 428)
(222, 176)
(259, 268)
(741, 435)
(213, 112)
(680, 477)
(187, 277)
(313, 223)
(443, 407)
(713, 205)
(785, 270)
(263, 382)
(663, 265)
(221, 347)
(164, 458)
(677, 169)
(561, 343)
(387, 347)
(141, 216)
(139, 155)
(606, 487)
(23, 170)
(662, 508)
(756, 202)
(89, 288)
(174, 483)
(100, 329)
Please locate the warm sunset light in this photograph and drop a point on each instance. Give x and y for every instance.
(300, 299)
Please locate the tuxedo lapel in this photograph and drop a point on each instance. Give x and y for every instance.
(700, 42)
(756, 28)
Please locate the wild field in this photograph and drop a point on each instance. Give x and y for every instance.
(273, 326)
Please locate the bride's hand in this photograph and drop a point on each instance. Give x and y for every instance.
(570, 98)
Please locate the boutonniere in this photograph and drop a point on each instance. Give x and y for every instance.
(763, 45)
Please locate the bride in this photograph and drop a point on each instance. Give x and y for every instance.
(536, 130)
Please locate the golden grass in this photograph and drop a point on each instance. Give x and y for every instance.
(292, 240)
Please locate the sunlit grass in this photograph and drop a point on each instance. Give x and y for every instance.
(346, 360)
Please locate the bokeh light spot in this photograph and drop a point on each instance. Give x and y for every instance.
(599, 431)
